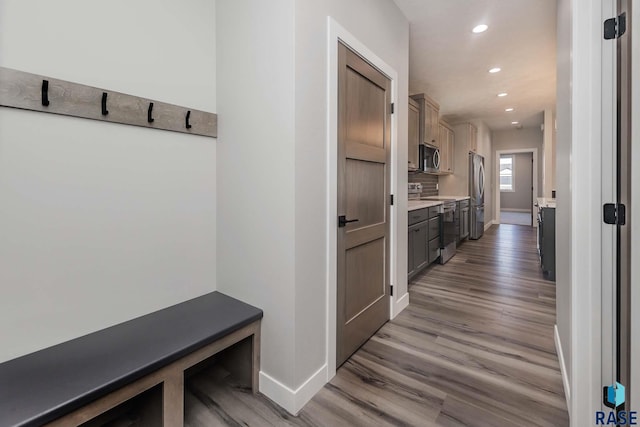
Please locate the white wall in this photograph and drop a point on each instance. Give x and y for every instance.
(272, 91)
(99, 222)
(564, 230)
(580, 179)
(256, 176)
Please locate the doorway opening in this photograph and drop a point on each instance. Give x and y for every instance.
(516, 190)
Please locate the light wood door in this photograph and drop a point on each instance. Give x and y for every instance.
(473, 138)
(444, 152)
(364, 134)
(414, 135)
(432, 116)
(446, 148)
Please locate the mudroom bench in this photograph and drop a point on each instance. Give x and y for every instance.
(88, 380)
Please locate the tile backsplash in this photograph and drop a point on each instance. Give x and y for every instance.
(428, 182)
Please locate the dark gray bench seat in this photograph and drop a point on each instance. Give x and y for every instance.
(43, 386)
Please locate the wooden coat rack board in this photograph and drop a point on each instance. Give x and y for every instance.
(27, 91)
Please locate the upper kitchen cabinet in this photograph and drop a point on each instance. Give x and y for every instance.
(473, 138)
(414, 135)
(466, 139)
(446, 138)
(429, 119)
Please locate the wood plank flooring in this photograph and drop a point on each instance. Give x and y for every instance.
(474, 348)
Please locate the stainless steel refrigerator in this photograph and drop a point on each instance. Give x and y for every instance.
(476, 192)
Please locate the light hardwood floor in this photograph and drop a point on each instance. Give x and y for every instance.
(474, 348)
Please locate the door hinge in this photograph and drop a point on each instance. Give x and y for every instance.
(615, 27)
(614, 214)
(393, 108)
(391, 291)
(391, 199)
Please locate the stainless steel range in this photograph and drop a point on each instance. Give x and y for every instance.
(448, 226)
(449, 221)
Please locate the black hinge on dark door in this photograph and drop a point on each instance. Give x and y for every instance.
(614, 214)
(615, 27)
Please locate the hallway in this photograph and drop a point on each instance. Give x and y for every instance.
(515, 218)
(474, 348)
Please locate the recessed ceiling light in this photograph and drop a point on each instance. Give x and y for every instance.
(508, 110)
(480, 28)
(502, 94)
(495, 70)
(514, 123)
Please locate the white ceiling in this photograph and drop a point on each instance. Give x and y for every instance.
(450, 63)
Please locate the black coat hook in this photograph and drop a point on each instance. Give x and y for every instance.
(150, 118)
(45, 93)
(188, 126)
(104, 104)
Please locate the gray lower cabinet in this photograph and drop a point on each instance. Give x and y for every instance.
(423, 239)
(464, 222)
(434, 249)
(547, 241)
(418, 246)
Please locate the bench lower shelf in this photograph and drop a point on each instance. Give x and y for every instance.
(239, 352)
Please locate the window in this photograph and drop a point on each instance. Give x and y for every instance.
(506, 173)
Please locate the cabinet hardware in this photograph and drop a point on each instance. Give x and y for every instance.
(104, 104)
(150, 118)
(187, 124)
(45, 93)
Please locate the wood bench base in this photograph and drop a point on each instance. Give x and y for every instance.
(243, 361)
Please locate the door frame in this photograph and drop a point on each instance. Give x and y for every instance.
(635, 213)
(337, 33)
(534, 192)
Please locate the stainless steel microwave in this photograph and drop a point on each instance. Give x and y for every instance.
(429, 159)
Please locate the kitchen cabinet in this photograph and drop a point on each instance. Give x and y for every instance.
(418, 235)
(464, 211)
(446, 139)
(413, 149)
(547, 240)
(429, 119)
(423, 239)
(473, 138)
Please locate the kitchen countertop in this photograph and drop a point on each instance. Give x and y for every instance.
(421, 204)
(445, 196)
(545, 202)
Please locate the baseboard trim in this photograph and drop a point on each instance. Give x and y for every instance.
(487, 225)
(399, 305)
(563, 368)
(515, 210)
(293, 400)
